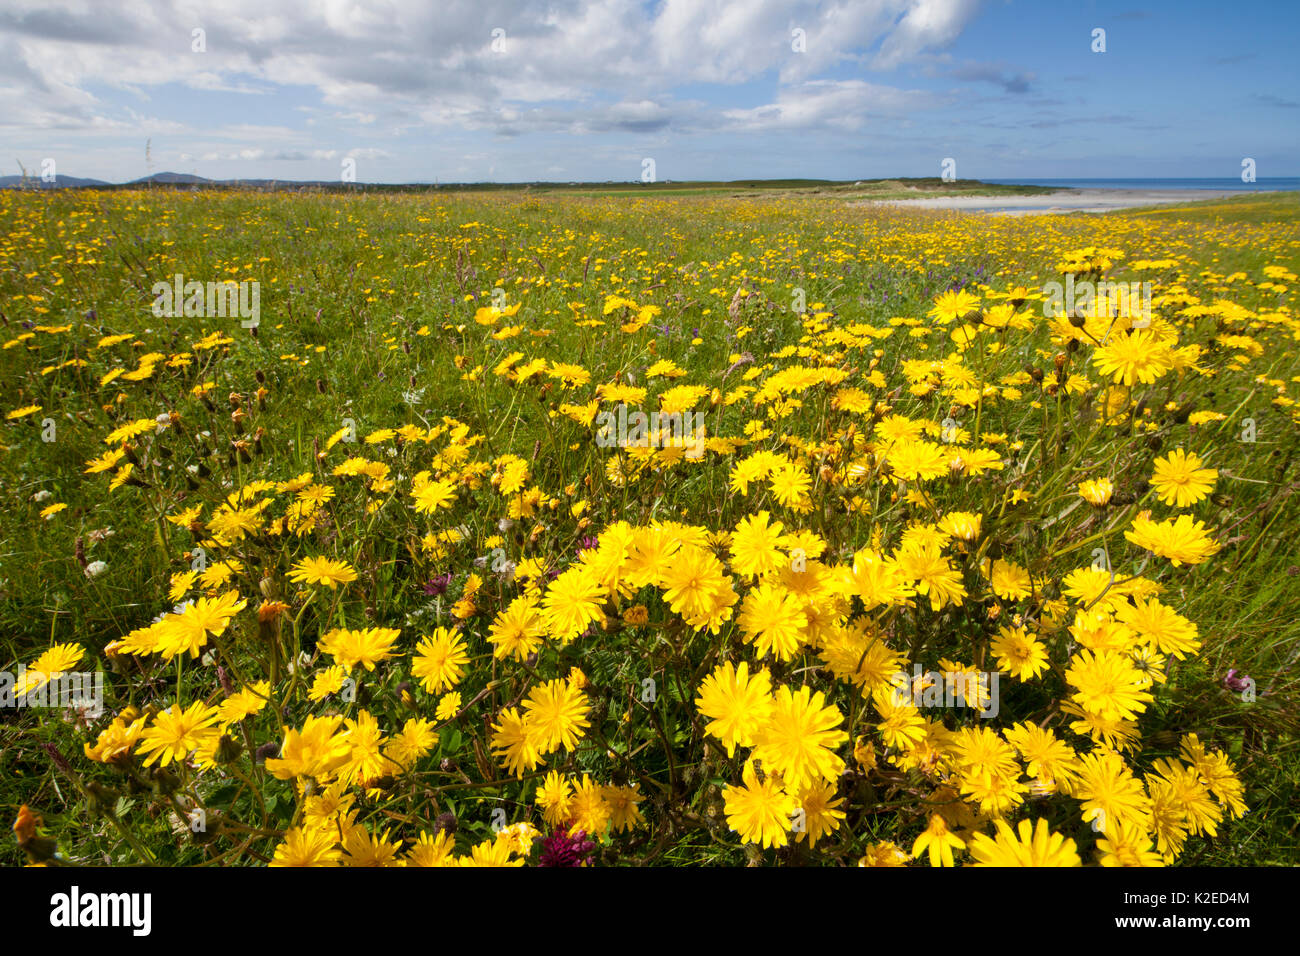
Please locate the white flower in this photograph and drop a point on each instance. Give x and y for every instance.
(504, 525)
(41, 495)
(95, 568)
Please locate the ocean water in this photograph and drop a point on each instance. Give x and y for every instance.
(1263, 184)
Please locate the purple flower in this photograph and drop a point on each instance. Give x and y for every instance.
(437, 586)
(565, 848)
(1235, 683)
(587, 543)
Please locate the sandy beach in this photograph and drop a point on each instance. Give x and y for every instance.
(1061, 201)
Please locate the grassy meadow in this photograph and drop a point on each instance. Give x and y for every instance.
(383, 581)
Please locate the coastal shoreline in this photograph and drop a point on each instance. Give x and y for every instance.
(1061, 201)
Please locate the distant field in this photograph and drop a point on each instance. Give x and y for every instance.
(392, 571)
(745, 188)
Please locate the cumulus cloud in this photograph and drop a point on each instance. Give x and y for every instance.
(927, 25)
(388, 69)
(849, 105)
(471, 55)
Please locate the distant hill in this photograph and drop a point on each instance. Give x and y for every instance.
(173, 180)
(60, 182)
(169, 179)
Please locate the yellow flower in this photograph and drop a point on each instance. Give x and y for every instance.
(317, 750)
(366, 647)
(736, 704)
(328, 681)
(118, 738)
(761, 810)
(432, 850)
(556, 715)
(440, 660)
(513, 742)
(939, 841)
(591, 812)
(572, 603)
(448, 707)
(518, 631)
(1018, 654)
(1107, 684)
(1127, 845)
(1097, 492)
(1032, 844)
(772, 619)
(307, 846)
(555, 797)
(885, 853)
(758, 547)
(326, 571)
(244, 703)
(820, 815)
(189, 630)
(1182, 540)
(799, 739)
(1133, 358)
(59, 659)
(175, 733)
(623, 811)
(1180, 480)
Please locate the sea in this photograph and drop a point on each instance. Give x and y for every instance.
(1263, 184)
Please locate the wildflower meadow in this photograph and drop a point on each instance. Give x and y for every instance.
(501, 528)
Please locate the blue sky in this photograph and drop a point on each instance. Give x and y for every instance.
(412, 91)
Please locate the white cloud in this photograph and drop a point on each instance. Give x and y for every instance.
(364, 58)
(928, 24)
(847, 105)
(388, 69)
